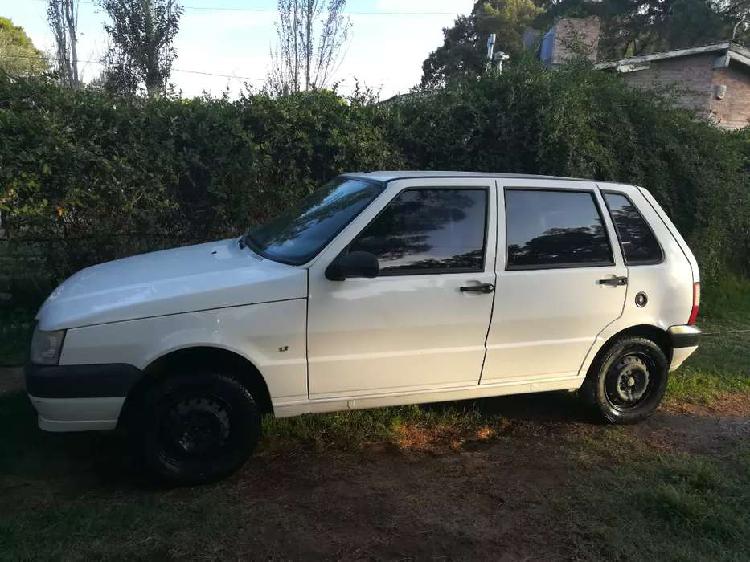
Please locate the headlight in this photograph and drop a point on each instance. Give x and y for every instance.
(46, 347)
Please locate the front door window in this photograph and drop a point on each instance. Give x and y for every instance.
(425, 231)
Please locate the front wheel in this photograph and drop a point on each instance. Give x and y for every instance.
(194, 429)
(628, 382)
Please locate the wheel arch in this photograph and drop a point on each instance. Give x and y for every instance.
(654, 333)
(196, 357)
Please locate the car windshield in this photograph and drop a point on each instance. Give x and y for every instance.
(297, 235)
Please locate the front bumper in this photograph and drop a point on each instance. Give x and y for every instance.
(79, 397)
(685, 340)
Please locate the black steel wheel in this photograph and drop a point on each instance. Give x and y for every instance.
(627, 382)
(195, 429)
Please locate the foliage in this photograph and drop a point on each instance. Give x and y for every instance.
(629, 27)
(18, 56)
(86, 176)
(62, 16)
(635, 27)
(463, 53)
(141, 53)
(91, 177)
(579, 122)
(311, 35)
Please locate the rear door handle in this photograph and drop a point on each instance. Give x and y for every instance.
(616, 281)
(484, 288)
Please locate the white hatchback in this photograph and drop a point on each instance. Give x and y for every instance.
(378, 289)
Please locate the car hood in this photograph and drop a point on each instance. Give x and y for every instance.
(187, 279)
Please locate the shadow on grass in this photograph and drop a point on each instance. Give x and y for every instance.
(541, 407)
(99, 460)
(88, 459)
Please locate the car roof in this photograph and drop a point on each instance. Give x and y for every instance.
(417, 174)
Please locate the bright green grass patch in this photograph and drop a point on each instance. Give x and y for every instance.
(720, 366)
(726, 300)
(722, 363)
(638, 504)
(353, 429)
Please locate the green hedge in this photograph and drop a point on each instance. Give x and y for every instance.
(86, 177)
(584, 123)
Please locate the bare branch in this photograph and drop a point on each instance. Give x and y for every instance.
(311, 36)
(62, 16)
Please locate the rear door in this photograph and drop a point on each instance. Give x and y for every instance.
(560, 279)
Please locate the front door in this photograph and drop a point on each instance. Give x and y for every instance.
(422, 323)
(561, 280)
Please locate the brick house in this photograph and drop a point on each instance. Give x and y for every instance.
(567, 38)
(713, 80)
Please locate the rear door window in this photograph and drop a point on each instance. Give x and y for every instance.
(638, 242)
(549, 229)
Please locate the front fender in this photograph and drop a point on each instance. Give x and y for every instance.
(271, 336)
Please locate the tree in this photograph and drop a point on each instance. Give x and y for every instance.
(460, 55)
(18, 56)
(738, 13)
(629, 27)
(636, 27)
(62, 16)
(463, 52)
(311, 36)
(141, 52)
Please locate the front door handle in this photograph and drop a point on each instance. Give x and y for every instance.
(483, 288)
(615, 281)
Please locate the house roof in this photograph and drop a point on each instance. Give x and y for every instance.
(726, 52)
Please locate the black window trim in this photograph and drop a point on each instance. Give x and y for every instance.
(544, 267)
(635, 263)
(435, 271)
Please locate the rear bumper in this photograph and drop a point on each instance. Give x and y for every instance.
(685, 341)
(79, 397)
(684, 336)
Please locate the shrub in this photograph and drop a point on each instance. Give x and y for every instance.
(93, 177)
(86, 177)
(584, 123)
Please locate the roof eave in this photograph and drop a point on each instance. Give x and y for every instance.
(737, 53)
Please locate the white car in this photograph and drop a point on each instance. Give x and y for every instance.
(378, 289)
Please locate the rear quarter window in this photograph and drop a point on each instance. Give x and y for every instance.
(637, 239)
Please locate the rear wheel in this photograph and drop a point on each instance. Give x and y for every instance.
(194, 429)
(627, 383)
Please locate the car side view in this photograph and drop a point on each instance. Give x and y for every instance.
(380, 288)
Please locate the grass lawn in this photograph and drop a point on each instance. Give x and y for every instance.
(528, 477)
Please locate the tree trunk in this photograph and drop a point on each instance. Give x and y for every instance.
(71, 20)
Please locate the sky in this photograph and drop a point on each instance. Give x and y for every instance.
(388, 41)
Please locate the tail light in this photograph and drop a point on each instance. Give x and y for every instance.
(696, 303)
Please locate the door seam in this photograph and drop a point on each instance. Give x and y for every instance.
(494, 271)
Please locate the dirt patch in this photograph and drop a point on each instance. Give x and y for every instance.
(693, 433)
(728, 404)
(437, 494)
(495, 492)
(492, 503)
(440, 438)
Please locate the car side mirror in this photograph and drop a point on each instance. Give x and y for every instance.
(353, 264)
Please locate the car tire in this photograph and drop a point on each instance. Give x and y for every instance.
(195, 429)
(627, 382)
